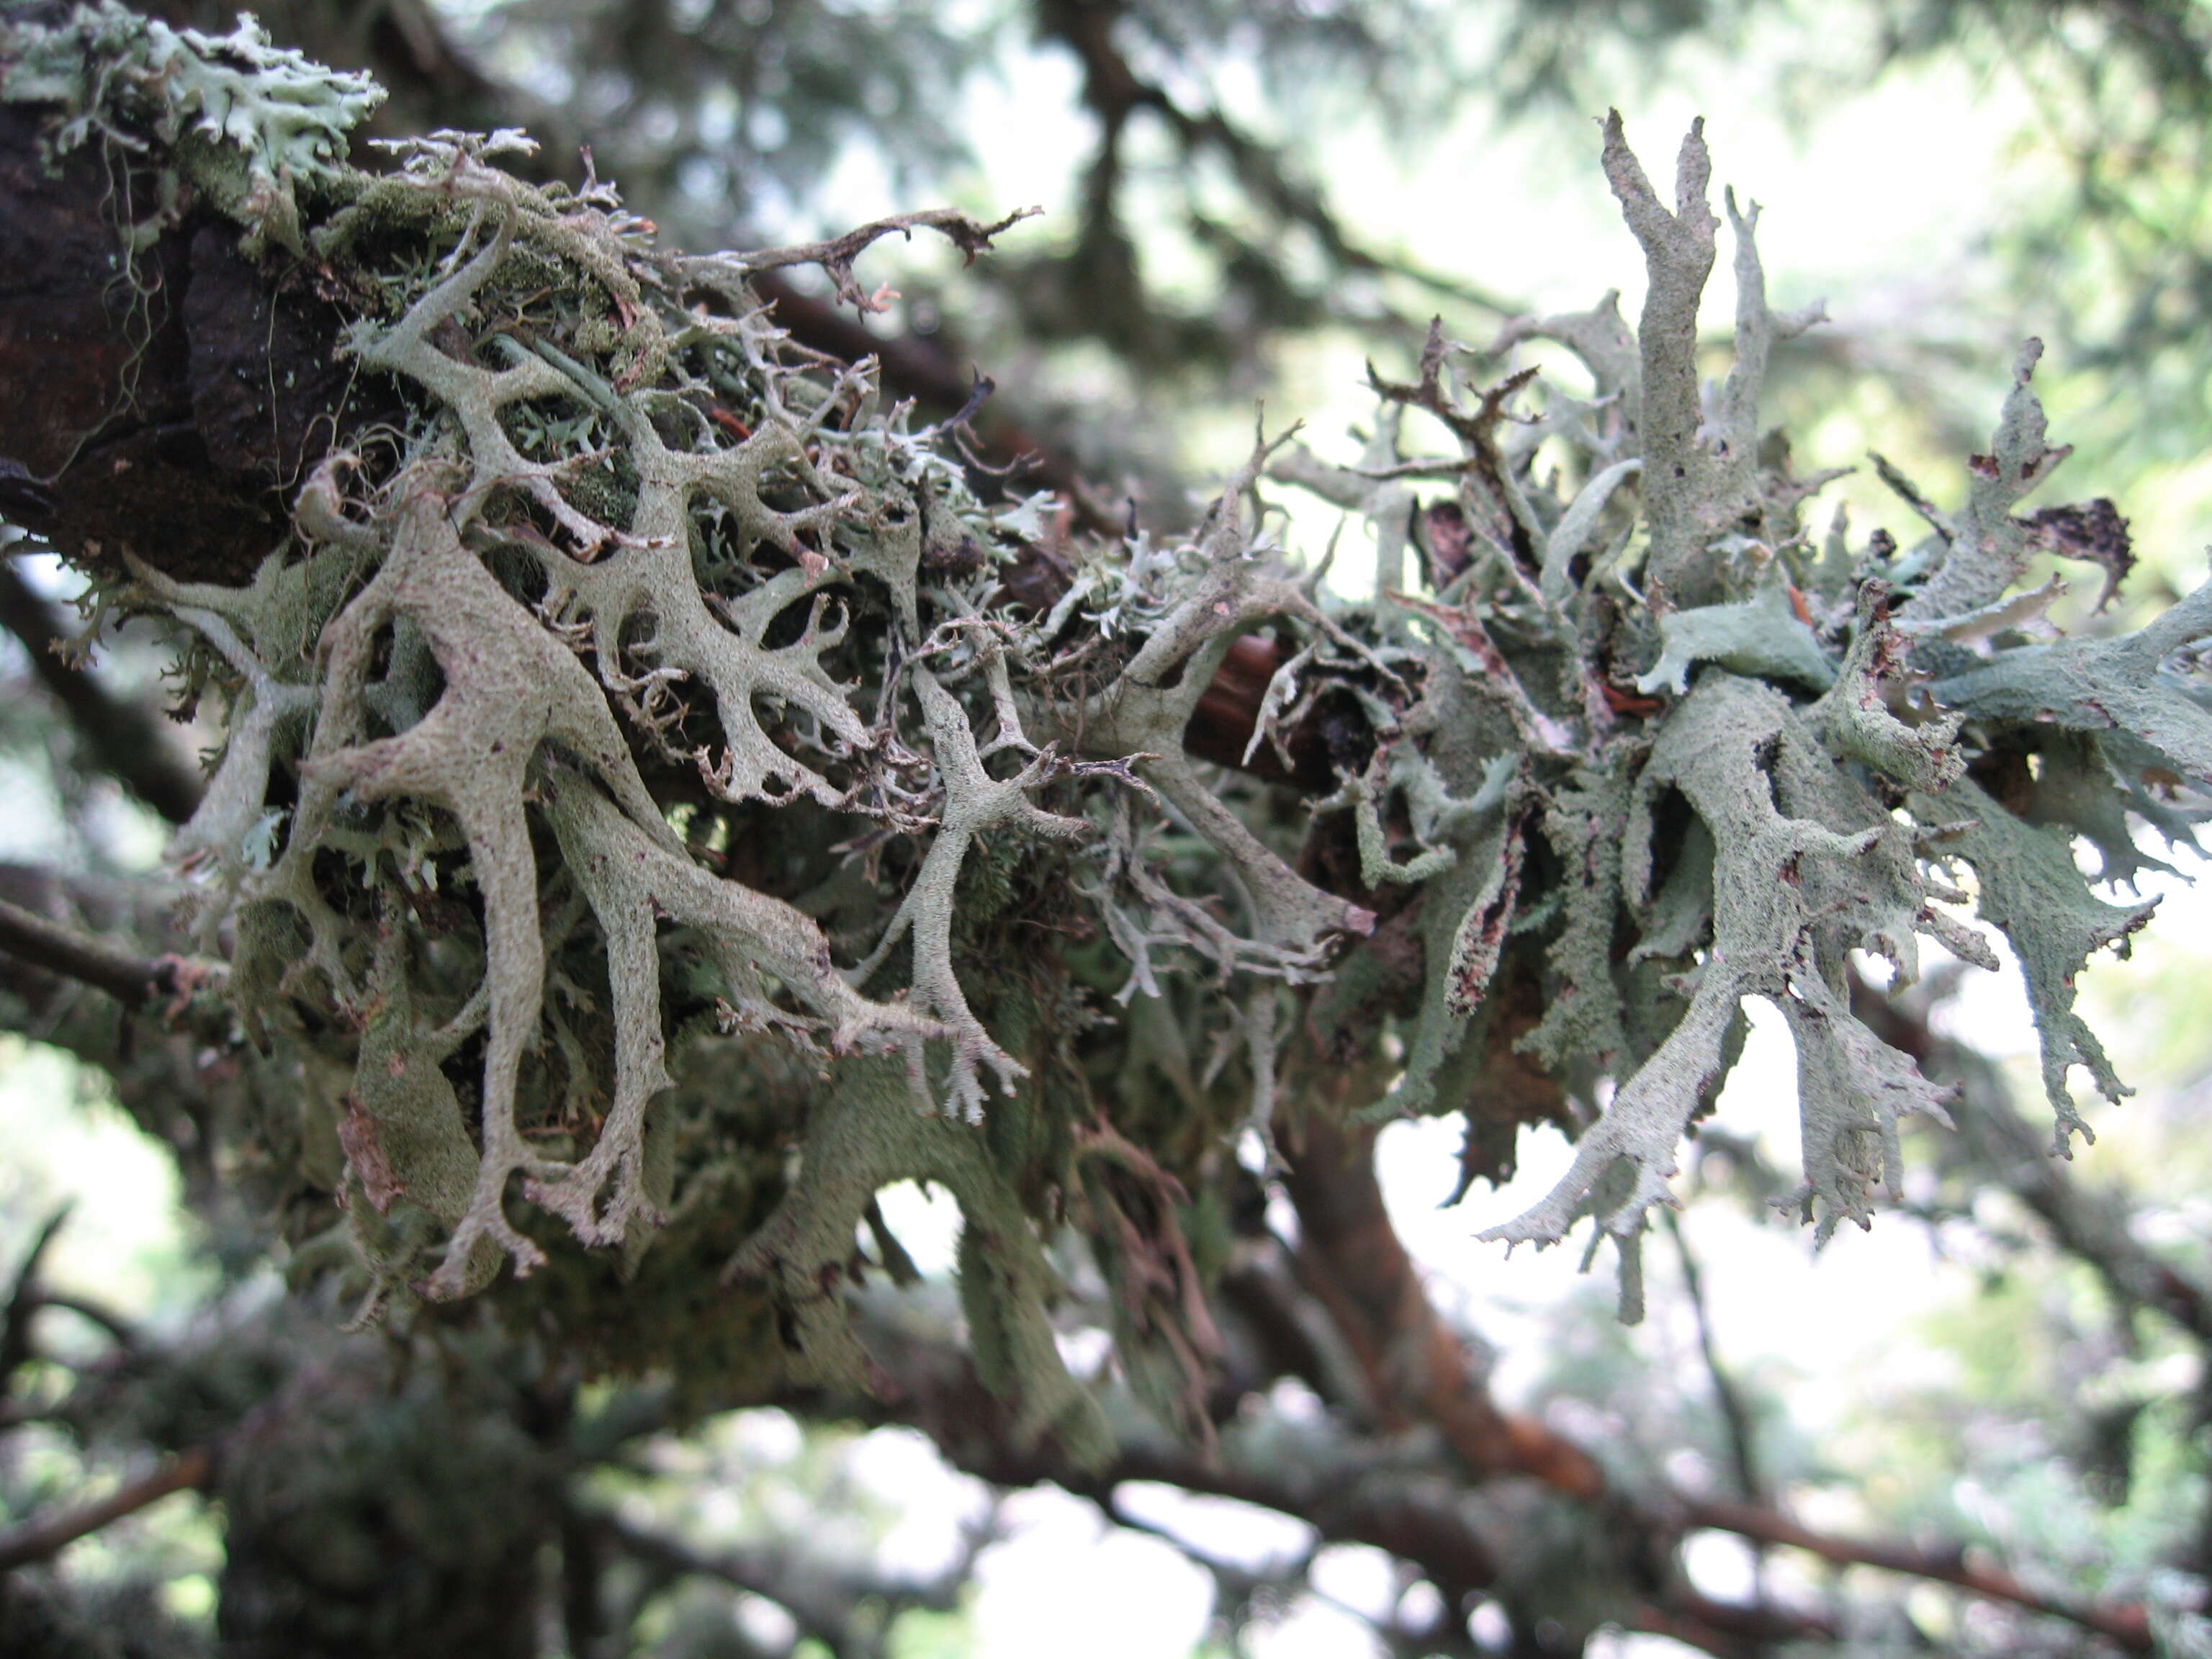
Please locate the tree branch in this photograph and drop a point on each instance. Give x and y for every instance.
(2129, 1625)
(836, 255)
(2088, 1224)
(1112, 89)
(24, 1298)
(41, 1539)
(121, 739)
(1731, 1630)
(821, 1595)
(1370, 1286)
(130, 979)
(1736, 1412)
(1416, 1368)
(1349, 1489)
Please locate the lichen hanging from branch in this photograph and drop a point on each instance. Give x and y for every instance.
(639, 764)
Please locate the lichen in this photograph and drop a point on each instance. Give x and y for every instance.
(645, 806)
(248, 122)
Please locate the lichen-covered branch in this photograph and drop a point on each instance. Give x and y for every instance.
(658, 809)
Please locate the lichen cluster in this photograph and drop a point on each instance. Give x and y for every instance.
(247, 120)
(646, 806)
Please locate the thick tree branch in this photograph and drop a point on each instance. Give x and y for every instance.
(1418, 1370)
(1349, 1490)
(1362, 1273)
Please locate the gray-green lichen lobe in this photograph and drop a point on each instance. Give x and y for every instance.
(246, 123)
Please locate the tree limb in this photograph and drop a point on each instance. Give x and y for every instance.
(1416, 1367)
(1377, 1298)
(131, 979)
(823, 1596)
(43, 1539)
(2088, 1223)
(23, 1297)
(120, 737)
(2129, 1625)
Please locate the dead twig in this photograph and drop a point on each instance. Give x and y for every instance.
(836, 255)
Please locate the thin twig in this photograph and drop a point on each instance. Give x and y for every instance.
(24, 1298)
(41, 1539)
(836, 255)
(1735, 1415)
(1736, 1411)
(119, 1330)
(2129, 1625)
(130, 979)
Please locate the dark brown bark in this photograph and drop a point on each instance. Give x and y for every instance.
(159, 401)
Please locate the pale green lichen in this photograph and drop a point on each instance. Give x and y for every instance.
(1763, 635)
(249, 122)
(643, 805)
(1795, 854)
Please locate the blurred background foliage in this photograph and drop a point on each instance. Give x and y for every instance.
(1246, 201)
